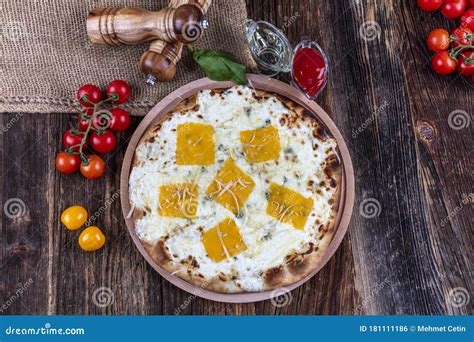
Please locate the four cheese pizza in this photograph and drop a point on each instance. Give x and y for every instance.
(236, 190)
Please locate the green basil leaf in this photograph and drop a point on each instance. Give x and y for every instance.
(219, 65)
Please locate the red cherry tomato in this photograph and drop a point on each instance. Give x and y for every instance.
(461, 36)
(453, 9)
(438, 40)
(430, 5)
(119, 89)
(443, 63)
(120, 119)
(67, 163)
(94, 168)
(70, 139)
(470, 3)
(103, 142)
(467, 19)
(466, 63)
(91, 92)
(82, 124)
(88, 110)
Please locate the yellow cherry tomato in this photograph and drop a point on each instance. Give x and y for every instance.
(91, 239)
(74, 217)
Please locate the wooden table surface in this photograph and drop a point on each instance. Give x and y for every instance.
(409, 245)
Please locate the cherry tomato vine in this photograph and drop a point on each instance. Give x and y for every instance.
(453, 51)
(94, 129)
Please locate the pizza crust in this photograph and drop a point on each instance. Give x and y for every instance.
(301, 265)
(297, 266)
(160, 255)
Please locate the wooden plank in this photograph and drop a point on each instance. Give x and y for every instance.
(332, 291)
(445, 154)
(410, 164)
(24, 221)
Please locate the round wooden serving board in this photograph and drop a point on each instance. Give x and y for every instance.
(270, 85)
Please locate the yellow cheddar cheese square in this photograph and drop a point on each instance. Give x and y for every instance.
(288, 206)
(261, 144)
(195, 144)
(179, 200)
(231, 187)
(223, 241)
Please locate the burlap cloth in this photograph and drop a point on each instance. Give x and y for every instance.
(46, 54)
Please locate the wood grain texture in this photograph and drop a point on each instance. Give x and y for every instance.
(118, 26)
(409, 162)
(161, 57)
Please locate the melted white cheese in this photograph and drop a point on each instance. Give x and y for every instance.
(268, 240)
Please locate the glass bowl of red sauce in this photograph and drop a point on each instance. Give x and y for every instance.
(309, 68)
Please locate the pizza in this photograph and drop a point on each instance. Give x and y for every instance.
(236, 190)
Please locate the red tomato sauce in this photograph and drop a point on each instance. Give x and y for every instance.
(309, 70)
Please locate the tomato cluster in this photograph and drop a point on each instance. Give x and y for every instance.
(454, 51)
(94, 129)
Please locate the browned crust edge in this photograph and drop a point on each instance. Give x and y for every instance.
(301, 265)
(160, 255)
(297, 266)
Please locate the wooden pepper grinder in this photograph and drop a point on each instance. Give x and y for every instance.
(118, 26)
(158, 63)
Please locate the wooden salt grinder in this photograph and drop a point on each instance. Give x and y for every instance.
(118, 26)
(158, 63)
